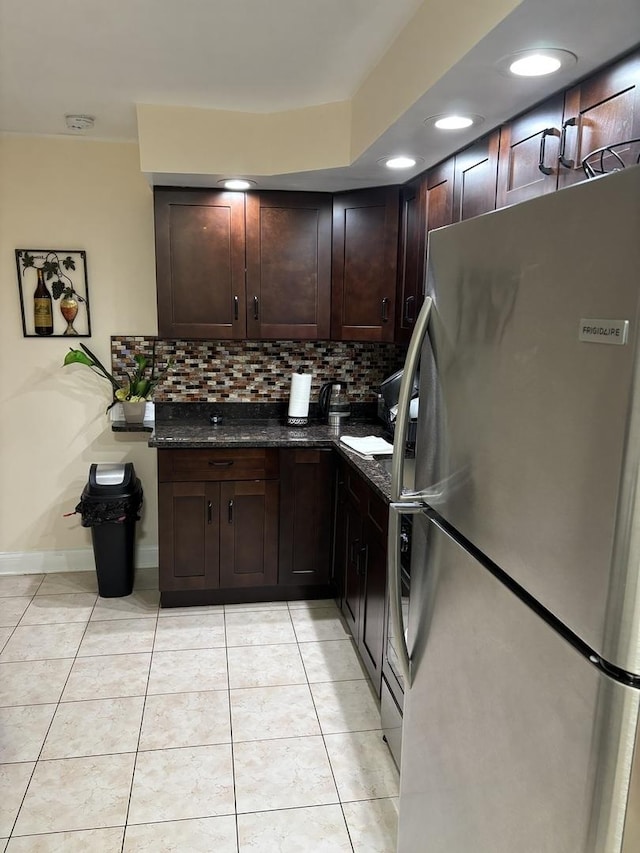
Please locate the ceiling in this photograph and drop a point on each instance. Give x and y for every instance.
(261, 56)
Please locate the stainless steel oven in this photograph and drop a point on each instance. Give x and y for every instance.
(392, 695)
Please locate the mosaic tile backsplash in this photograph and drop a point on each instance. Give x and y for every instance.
(258, 371)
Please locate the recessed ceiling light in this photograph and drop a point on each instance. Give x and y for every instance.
(237, 184)
(400, 162)
(453, 121)
(537, 62)
(535, 65)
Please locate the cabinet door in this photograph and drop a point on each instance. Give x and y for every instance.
(411, 257)
(188, 535)
(439, 195)
(603, 110)
(249, 533)
(200, 263)
(349, 525)
(373, 597)
(305, 516)
(529, 147)
(288, 265)
(365, 258)
(476, 176)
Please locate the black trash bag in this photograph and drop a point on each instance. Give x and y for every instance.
(115, 510)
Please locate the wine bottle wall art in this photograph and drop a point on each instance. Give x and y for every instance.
(54, 293)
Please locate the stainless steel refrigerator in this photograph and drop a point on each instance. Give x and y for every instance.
(521, 721)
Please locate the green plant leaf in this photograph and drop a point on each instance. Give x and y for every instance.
(68, 263)
(141, 361)
(28, 261)
(141, 388)
(75, 356)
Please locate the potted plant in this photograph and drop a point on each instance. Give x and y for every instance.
(134, 390)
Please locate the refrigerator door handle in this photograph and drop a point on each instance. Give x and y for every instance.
(404, 401)
(395, 583)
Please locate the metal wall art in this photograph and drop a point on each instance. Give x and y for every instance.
(54, 293)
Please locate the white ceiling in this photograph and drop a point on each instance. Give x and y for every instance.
(101, 58)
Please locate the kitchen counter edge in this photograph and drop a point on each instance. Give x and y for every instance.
(179, 436)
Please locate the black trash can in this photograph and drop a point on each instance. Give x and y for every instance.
(110, 506)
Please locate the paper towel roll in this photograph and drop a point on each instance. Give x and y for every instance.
(299, 395)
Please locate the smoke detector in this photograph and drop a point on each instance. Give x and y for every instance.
(79, 122)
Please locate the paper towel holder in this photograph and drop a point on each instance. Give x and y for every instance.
(297, 422)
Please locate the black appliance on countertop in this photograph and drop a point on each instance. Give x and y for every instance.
(388, 396)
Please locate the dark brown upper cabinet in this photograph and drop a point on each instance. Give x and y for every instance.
(602, 110)
(288, 265)
(476, 174)
(529, 146)
(365, 258)
(200, 263)
(411, 257)
(439, 195)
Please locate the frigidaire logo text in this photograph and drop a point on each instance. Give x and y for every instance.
(601, 331)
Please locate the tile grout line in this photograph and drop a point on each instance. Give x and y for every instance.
(233, 757)
(137, 750)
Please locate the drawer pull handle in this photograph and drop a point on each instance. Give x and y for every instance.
(385, 310)
(230, 512)
(227, 463)
(236, 304)
(256, 308)
(209, 512)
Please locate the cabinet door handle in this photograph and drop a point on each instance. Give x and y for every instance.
(362, 558)
(569, 164)
(256, 308)
(209, 512)
(236, 306)
(408, 302)
(230, 512)
(385, 309)
(226, 463)
(548, 131)
(355, 546)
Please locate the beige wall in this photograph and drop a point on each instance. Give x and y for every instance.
(69, 194)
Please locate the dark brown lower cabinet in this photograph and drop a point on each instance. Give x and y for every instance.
(251, 524)
(189, 530)
(361, 564)
(218, 523)
(306, 480)
(248, 533)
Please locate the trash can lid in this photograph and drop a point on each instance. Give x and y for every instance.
(112, 479)
(110, 474)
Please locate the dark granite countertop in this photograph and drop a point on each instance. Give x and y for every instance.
(189, 433)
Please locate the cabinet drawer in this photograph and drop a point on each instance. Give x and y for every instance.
(254, 463)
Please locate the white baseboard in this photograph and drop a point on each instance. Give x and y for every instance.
(73, 560)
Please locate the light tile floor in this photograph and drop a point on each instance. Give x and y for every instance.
(238, 728)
